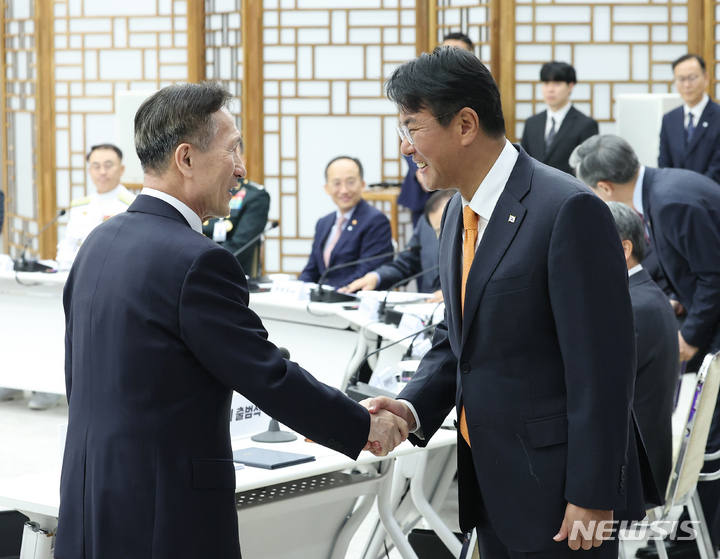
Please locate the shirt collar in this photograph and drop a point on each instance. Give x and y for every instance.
(486, 196)
(637, 193)
(191, 217)
(347, 215)
(698, 109)
(111, 194)
(634, 270)
(560, 115)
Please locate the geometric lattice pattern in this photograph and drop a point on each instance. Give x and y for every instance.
(715, 42)
(470, 17)
(102, 48)
(19, 140)
(616, 47)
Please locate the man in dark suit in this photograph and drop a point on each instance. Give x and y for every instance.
(656, 380)
(552, 135)
(158, 334)
(249, 209)
(681, 210)
(354, 231)
(537, 349)
(422, 255)
(690, 134)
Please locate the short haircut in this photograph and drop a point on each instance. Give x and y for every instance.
(444, 82)
(177, 114)
(685, 57)
(104, 146)
(604, 158)
(557, 72)
(355, 159)
(437, 199)
(459, 37)
(630, 227)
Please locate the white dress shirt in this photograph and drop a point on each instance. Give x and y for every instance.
(696, 111)
(634, 270)
(559, 116)
(192, 218)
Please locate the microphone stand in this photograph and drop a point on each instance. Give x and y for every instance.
(24, 264)
(274, 434)
(382, 309)
(253, 282)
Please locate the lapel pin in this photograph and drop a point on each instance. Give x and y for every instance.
(349, 228)
(354, 221)
(705, 124)
(511, 219)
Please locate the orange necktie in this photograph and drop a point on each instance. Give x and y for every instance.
(470, 223)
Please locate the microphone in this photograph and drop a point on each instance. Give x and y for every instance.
(322, 296)
(383, 305)
(252, 241)
(274, 434)
(24, 264)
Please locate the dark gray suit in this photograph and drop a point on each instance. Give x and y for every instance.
(657, 371)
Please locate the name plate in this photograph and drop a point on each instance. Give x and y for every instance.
(291, 290)
(246, 418)
(369, 308)
(385, 379)
(410, 324)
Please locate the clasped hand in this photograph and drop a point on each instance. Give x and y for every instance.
(389, 420)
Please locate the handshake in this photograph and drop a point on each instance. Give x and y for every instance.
(390, 423)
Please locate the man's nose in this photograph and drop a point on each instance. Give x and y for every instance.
(406, 148)
(240, 171)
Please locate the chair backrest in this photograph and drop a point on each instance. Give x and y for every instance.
(691, 456)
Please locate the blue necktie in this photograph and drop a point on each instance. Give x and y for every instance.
(551, 134)
(690, 128)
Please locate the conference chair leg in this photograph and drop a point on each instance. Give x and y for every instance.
(385, 510)
(704, 543)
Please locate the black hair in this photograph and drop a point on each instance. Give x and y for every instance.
(557, 72)
(356, 160)
(685, 57)
(444, 82)
(459, 37)
(104, 146)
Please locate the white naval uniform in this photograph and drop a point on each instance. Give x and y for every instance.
(86, 214)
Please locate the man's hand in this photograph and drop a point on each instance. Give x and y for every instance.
(677, 307)
(366, 283)
(386, 432)
(374, 405)
(687, 351)
(436, 298)
(579, 521)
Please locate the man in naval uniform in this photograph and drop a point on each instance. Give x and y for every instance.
(106, 168)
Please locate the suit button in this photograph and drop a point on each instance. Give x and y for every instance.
(465, 368)
(622, 491)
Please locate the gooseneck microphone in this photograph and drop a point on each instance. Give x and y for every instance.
(256, 238)
(23, 264)
(383, 304)
(320, 295)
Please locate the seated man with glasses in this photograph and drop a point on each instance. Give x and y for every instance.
(106, 168)
(690, 134)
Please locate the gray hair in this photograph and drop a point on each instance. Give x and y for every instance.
(180, 113)
(630, 227)
(604, 158)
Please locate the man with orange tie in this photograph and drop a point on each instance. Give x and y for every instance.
(353, 232)
(537, 349)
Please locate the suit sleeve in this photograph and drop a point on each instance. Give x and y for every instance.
(377, 239)
(664, 159)
(230, 341)
(587, 280)
(311, 272)
(713, 170)
(251, 221)
(699, 244)
(405, 264)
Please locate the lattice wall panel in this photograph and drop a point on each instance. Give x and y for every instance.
(20, 114)
(223, 49)
(615, 47)
(714, 41)
(324, 67)
(471, 17)
(102, 48)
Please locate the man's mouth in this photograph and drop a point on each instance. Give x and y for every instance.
(420, 164)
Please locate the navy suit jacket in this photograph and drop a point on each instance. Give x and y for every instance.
(682, 209)
(574, 130)
(657, 371)
(367, 234)
(702, 154)
(422, 254)
(158, 335)
(544, 366)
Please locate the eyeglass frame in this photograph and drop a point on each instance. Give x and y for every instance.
(688, 79)
(404, 132)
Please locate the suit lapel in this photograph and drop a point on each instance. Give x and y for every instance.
(325, 227)
(350, 229)
(705, 121)
(567, 123)
(451, 241)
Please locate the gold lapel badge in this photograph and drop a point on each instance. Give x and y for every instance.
(354, 221)
(511, 219)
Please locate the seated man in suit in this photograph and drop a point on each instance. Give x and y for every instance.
(249, 209)
(690, 134)
(421, 255)
(552, 135)
(354, 231)
(680, 209)
(657, 349)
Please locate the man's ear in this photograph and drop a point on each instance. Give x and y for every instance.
(183, 159)
(627, 249)
(469, 125)
(606, 188)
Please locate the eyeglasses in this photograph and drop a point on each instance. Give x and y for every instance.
(687, 79)
(108, 166)
(406, 134)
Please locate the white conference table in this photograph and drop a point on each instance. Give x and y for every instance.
(37, 496)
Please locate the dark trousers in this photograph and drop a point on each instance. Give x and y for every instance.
(489, 545)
